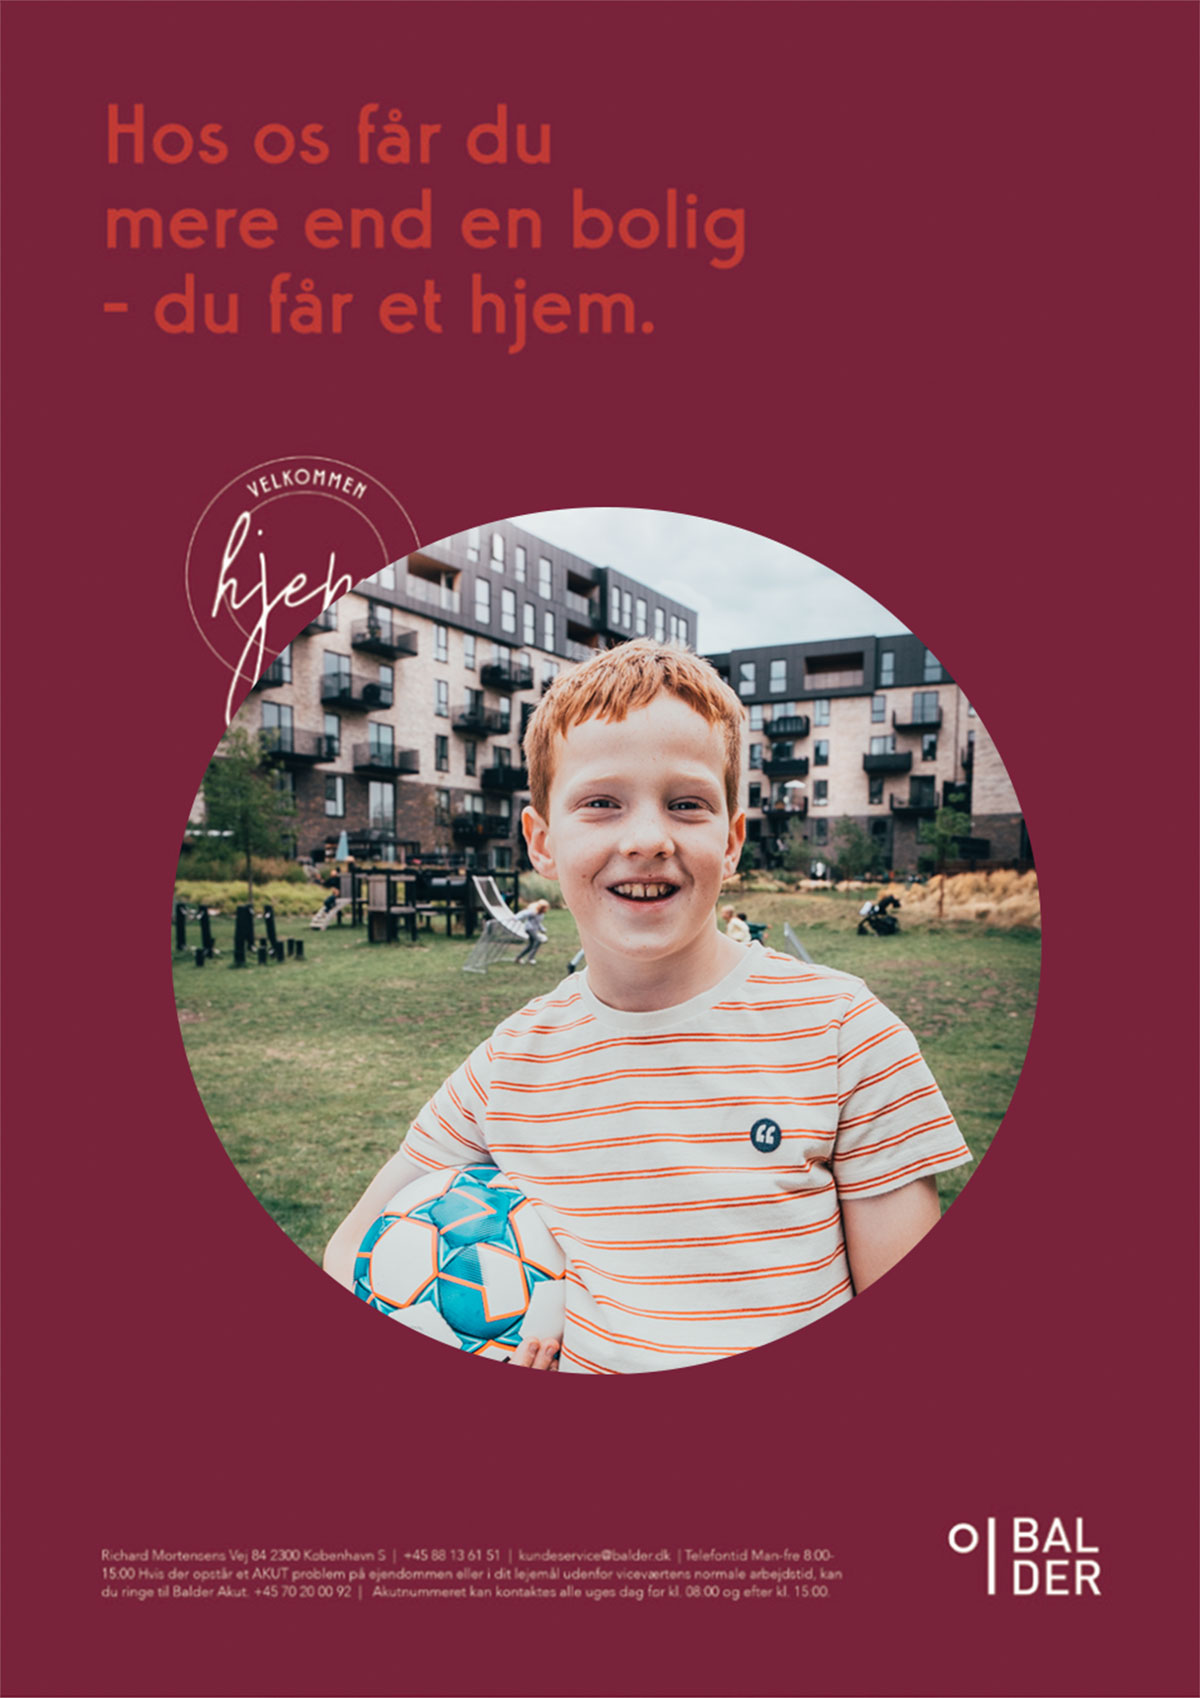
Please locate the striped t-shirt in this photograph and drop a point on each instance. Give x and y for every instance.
(690, 1161)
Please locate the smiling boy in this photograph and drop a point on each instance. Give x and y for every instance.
(727, 1143)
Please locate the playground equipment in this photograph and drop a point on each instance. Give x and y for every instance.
(501, 930)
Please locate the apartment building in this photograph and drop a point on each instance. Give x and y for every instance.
(397, 714)
(871, 729)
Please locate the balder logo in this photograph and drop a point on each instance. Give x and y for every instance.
(766, 1135)
(276, 547)
(1025, 1557)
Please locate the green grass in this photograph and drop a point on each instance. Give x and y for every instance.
(311, 1071)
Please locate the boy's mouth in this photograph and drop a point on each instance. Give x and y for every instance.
(634, 891)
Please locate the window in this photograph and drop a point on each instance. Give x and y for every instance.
(783, 751)
(473, 541)
(285, 783)
(529, 629)
(683, 630)
(970, 711)
(933, 669)
(756, 716)
(887, 667)
(875, 790)
(549, 673)
(441, 698)
(879, 828)
(519, 563)
(385, 578)
(387, 684)
(778, 677)
(820, 831)
(884, 745)
(745, 673)
(474, 701)
(548, 630)
(483, 601)
(640, 619)
(381, 805)
(441, 752)
(627, 609)
(755, 756)
(929, 746)
(821, 711)
(501, 859)
(820, 792)
(441, 643)
(544, 577)
(381, 740)
(336, 667)
(508, 611)
(331, 730)
(878, 710)
(469, 651)
(821, 752)
(660, 624)
(614, 605)
(335, 796)
(925, 707)
(497, 552)
(280, 669)
(755, 796)
(441, 807)
(922, 792)
(501, 757)
(277, 726)
(469, 753)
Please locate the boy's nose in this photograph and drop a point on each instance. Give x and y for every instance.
(647, 832)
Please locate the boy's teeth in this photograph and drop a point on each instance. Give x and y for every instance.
(644, 892)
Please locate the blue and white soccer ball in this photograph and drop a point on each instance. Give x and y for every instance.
(462, 1255)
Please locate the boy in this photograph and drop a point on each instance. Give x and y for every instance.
(728, 1143)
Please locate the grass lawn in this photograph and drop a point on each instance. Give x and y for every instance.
(311, 1071)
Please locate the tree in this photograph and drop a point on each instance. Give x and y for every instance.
(940, 835)
(244, 798)
(856, 853)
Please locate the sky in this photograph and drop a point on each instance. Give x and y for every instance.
(692, 560)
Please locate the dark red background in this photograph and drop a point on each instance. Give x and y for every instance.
(958, 366)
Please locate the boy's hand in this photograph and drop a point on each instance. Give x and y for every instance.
(536, 1353)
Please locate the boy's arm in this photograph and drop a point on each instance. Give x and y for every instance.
(880, 1230)
(342, 1248)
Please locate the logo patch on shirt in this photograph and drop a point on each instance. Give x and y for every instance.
(766, 1135)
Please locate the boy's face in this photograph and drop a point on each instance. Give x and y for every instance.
(639, 837)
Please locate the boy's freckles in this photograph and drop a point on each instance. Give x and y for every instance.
(640, 839)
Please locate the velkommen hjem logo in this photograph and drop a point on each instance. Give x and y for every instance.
(280, 544)
(1025, 1557)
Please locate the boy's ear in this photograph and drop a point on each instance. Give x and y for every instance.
(737, 836)
(537, 841)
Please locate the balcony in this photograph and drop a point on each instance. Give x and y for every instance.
(371, 757)
(505, 778)
(930, 720)
(380, 636)
(888, 763)
(433, 595)
(789, 725)
(581, 606)
(780, 818)
(326, 620)
(795, 766)
(480, 721)
(477, 828)
(507, 675)
(577, 651)
(290, 747)
(279, 672)
(918, 804)
(350, 690)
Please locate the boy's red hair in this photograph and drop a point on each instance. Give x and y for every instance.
(615, 684)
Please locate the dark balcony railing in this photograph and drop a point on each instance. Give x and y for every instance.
(916, 802)
(779, 815)
(349, 690)
(505, 778)
(326, 620)
(380, 636)
(789, 725)
(370, 757)
(888, 763)
(507, 675)
(279, 672)
(296, 748)
(479, 721)
(929, 720)
(795, 766)
(476, 828)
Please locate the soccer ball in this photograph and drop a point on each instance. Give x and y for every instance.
(460, 1255)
